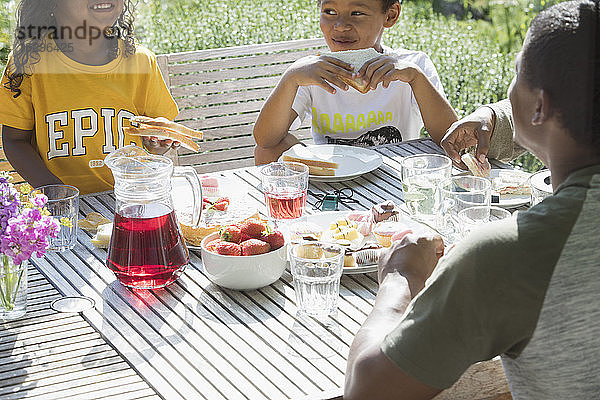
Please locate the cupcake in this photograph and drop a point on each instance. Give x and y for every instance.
(384, 231)
(386, 211)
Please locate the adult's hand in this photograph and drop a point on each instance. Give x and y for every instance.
(414, 257)
(473, 130)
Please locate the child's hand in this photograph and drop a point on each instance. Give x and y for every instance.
(158, 146)
(320, 71)
(385, 69)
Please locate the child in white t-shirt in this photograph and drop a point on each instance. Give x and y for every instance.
(405, 91)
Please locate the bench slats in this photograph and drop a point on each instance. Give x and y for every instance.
(228, 74)
(239, 141)
(221, 92)
(242, 62)
(237, 51)
(226, 86)
(210, 113)
(225, 97)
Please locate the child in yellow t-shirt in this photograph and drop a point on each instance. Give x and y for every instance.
(72, 82)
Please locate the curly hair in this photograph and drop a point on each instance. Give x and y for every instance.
(35, 20)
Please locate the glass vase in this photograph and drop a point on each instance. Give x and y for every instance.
(13, 288)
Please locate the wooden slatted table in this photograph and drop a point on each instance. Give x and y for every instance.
(48, 355)
(194, 340)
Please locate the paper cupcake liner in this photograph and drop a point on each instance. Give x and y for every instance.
(367, 257)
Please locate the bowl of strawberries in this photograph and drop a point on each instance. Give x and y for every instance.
(244, 256)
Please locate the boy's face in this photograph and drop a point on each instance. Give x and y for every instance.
(98, 13)
(355, 24)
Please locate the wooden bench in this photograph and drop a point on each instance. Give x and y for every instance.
(221, 91)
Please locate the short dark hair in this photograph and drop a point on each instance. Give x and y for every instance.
(562, 57)
(385, 4)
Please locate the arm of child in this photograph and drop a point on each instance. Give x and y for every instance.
(436, 111)
(276, 116)
(24, 158)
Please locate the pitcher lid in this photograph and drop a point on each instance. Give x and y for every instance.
(132, 159)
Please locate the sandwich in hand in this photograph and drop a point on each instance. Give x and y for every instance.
(356, 58)
(162, 128)
(317, 166)
(476, 167)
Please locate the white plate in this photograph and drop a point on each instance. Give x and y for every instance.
(353, 161)
(512, 200)
(324, 219)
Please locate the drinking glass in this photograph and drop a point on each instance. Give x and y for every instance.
(63, 204)
(420, 175)
(316, 270)
(456, 194)
(284, 185)
(471, 217)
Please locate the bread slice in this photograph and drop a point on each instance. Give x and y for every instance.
(311, 161)
(144, 130)
(320, 171)
(356, 58)
(162, 122)
(477, 169)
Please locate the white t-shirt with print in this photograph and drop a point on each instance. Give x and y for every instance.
(350, 114)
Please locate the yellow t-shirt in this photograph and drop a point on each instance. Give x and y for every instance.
(78, 111)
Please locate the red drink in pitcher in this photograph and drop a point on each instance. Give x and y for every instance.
(146, 247)
(286, 203)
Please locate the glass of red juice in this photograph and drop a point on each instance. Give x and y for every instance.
(284, 185)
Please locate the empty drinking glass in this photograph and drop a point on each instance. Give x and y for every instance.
(471, 217)
(454, 195)
(316, 270)
(63, 204)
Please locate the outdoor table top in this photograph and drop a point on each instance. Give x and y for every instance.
(195, 340)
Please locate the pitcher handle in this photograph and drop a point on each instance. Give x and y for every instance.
(194, 180)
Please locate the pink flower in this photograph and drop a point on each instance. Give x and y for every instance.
(24, 226)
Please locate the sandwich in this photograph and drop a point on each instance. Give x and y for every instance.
(162, 128)
(477, 168)
(511, 183)
(317, 166)
(356, 58)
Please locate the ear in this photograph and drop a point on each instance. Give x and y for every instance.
(542, 108)
(392, 15)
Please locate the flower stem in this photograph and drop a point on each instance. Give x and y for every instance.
(9, 288)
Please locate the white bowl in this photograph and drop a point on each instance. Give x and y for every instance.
(243, 272)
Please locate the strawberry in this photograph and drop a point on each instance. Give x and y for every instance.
(228, 249)
(275, 239)
(252, 247)
(221, 205)
(231, 233)
(212, 245)
(253, 228)
(244, 237)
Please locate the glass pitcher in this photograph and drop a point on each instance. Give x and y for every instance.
(147, 249)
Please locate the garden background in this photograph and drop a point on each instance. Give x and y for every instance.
(472, 42)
